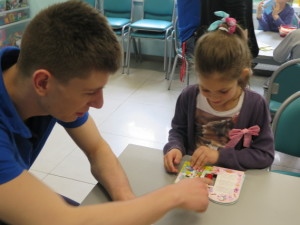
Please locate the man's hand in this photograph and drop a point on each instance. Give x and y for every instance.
(193, 194)
(276, 11)
(203, 155)
(172, 158)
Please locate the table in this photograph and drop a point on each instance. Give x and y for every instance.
(266, 197)
(267, 38)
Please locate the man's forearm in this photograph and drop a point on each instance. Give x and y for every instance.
(190, 194)
(139, 211)
(47, 208)
(107, 170)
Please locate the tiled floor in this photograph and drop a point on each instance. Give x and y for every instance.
(138, 109)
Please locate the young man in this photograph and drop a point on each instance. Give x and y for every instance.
(67, 53)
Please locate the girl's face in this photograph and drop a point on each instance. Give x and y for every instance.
(221, 94)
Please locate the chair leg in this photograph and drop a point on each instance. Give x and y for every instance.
(128, 54)
(165, 54)
(136, 50)
(139, 51)
(123, 57)
(123, 64)
(187, 73)
(173, 71)
(172, 49)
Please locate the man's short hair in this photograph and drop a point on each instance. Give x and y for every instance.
(69, 39)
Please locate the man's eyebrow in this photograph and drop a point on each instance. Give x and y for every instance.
(94, 89)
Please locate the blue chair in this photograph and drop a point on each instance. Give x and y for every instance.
(93, 3)
(178, 51)
(296, 20)
(157, 23)
(286, 127)
(284, 82)
(119, 15)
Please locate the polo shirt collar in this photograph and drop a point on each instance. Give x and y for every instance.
(8, 113)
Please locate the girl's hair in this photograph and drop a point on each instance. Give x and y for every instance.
(224, 53)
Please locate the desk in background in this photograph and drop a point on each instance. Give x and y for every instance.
(266, 197)
(267, 38)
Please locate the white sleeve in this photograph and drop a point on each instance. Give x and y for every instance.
(283, 51)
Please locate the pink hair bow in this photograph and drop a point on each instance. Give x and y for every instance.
(219, 24)
(231, 23)
(235, 136)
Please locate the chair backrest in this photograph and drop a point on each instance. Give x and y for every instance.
(286, 126)
(284, 82)
(159, 9)
(296, 20)
(91, 2)
(118, 8)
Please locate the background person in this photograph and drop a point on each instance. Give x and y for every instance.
(241, 10)
(281, 14)
(289, 47)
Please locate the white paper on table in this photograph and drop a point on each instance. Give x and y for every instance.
(265, 47)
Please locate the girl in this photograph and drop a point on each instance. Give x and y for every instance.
(219, 120)
(281, 14)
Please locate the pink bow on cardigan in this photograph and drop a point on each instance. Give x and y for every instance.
(235, 136)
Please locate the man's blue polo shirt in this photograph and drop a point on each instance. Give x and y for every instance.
(21, 143)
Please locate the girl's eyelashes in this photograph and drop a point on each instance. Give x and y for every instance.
(207, 91)
(224, 92)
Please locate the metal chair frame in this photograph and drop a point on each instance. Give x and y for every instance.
(273, 88)
(178, 55)
(124, 29)
(167, 36)
(293, 99)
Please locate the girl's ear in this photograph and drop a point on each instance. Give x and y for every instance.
(246, 73)
(243, 81)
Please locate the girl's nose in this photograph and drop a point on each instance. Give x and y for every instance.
(214, 96)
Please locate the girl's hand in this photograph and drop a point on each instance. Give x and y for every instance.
(259, 10)
(202, 156)
(172, 158)
(276, 11)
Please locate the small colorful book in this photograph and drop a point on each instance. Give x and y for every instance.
(227, 183)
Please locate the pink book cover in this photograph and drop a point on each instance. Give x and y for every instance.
(227, 183)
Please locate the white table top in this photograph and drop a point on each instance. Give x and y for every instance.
(266, 197)
(270, 40)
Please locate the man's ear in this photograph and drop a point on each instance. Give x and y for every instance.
(41, 81)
